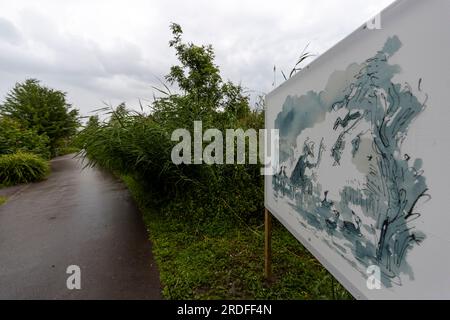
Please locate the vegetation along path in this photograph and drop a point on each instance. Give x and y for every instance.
(76, 217)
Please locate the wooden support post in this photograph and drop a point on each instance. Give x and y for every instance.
(267, 244)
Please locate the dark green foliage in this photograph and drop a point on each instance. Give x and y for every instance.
(22, 168)
(197, 76)
(224, 259)
(42, 109)
(90, 128)
(14, 137)
(139, 145)
(67, 150)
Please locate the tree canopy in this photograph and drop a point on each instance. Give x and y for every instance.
(204, 94)
(41, 109)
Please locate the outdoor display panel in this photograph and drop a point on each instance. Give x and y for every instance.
(363, 175)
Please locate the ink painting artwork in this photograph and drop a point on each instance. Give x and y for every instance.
(352, 180)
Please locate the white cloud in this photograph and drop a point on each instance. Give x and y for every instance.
(113, 50)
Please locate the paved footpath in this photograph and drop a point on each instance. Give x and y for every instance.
(83, 217)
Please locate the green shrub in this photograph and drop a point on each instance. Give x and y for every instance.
(42, 109)
(22, 168)
(140, 145)
(14, 138)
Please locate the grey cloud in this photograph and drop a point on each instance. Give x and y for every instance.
(9, 33)
(69, 61)
(85, 51)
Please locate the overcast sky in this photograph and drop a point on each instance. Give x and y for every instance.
(113, 51)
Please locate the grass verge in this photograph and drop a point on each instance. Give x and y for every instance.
(2, 199)
(225, 260)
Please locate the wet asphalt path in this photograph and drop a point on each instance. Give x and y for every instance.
(76, 217)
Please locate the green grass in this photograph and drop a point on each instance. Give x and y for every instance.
(22, 167)
(2, 200)
(225, 260)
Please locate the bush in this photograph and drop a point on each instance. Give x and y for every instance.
(42, 109)
(22, 167)
(140, 145)
(15, 138)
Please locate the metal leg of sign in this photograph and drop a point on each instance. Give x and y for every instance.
(267, 244)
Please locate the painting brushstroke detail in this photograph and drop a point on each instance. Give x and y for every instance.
(342, 166)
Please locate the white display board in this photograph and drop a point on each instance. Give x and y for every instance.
(364, 175)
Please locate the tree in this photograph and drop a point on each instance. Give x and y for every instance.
(117, 114)
(197, 75)
(41, 109)
(204, 95)
(93, 122)
(14, 138)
